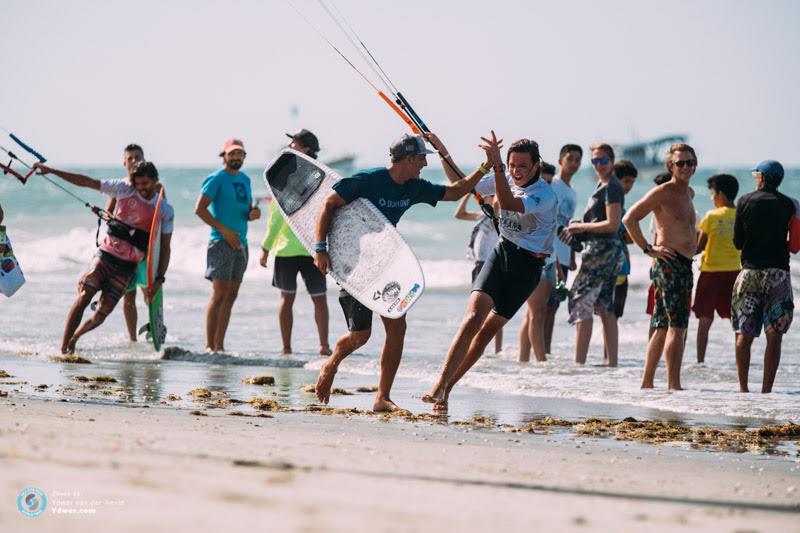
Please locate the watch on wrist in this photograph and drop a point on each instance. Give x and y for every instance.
(647, 248)
(501, 166)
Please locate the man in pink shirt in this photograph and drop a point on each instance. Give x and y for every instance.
(123, 247)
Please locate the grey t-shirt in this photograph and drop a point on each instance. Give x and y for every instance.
(605, 194)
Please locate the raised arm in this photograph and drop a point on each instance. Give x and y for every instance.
(462, 213)
(451, 170)
(321, 258)
(454, 191)
(76, 179)
(505, 198)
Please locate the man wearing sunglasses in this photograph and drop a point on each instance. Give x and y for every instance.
(675, 221)
(762, 293)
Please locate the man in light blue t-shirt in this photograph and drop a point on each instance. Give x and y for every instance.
(225, 204)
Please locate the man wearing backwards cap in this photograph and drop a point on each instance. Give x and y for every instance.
(392, 191)
(304, 141)
(225, 204)
(292, 258)
(762, 294)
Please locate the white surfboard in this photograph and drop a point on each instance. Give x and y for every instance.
(11, 278)
(369, 258)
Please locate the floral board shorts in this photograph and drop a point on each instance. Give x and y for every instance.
(762, 297)
(110, 276)
(673, 282)
(594, 285)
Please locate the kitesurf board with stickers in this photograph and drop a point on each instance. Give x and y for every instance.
(156, 330)
(11, 278)
(369, 258)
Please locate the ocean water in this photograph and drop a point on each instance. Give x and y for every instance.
(54, 239)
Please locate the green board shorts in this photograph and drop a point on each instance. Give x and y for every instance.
(140, 279)
(673, 293)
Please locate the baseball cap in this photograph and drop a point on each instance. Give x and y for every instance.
(306, 138)
(408, 145)
(231, 145)
(771, 169)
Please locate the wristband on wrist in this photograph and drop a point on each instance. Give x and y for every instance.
(444, 156)
(482, 169)
(321, 243)
(322, 250)
(162, 279)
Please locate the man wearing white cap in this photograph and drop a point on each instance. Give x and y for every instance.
(225, 204)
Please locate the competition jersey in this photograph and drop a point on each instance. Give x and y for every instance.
(131, 209)
(482, 241)
(535, 227)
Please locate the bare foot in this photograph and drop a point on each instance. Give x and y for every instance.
(325, 349)
(647, 385)
(325, 381)
(384, 406)
(287, 350)
(435, 394)
(70, 348)
(440, 406)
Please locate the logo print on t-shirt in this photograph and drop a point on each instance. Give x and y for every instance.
(241, 192)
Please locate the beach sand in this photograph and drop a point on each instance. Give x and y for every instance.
(161, 468)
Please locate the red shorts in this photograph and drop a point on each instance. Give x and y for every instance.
(714, 290)
(651, 299)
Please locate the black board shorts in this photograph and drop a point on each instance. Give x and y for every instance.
(620, 295)
(284, 276)
(358, 317)
(509, 276)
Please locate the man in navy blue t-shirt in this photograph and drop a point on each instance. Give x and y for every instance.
(392, 190)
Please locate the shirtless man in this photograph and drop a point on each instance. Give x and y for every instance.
(675, 221)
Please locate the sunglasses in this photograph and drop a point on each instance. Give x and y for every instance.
(600, 161)
(688, 163)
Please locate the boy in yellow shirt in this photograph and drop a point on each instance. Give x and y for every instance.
(721, 260)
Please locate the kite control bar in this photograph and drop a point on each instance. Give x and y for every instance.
(7, 168)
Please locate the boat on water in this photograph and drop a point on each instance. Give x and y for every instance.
(343, 164)
(650, 153)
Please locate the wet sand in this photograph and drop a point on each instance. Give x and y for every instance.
(162, 468)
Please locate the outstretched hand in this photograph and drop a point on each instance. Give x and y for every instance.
(437, 144)
(42, 168)
(492, 148)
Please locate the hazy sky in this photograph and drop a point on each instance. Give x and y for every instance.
(83, 78)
